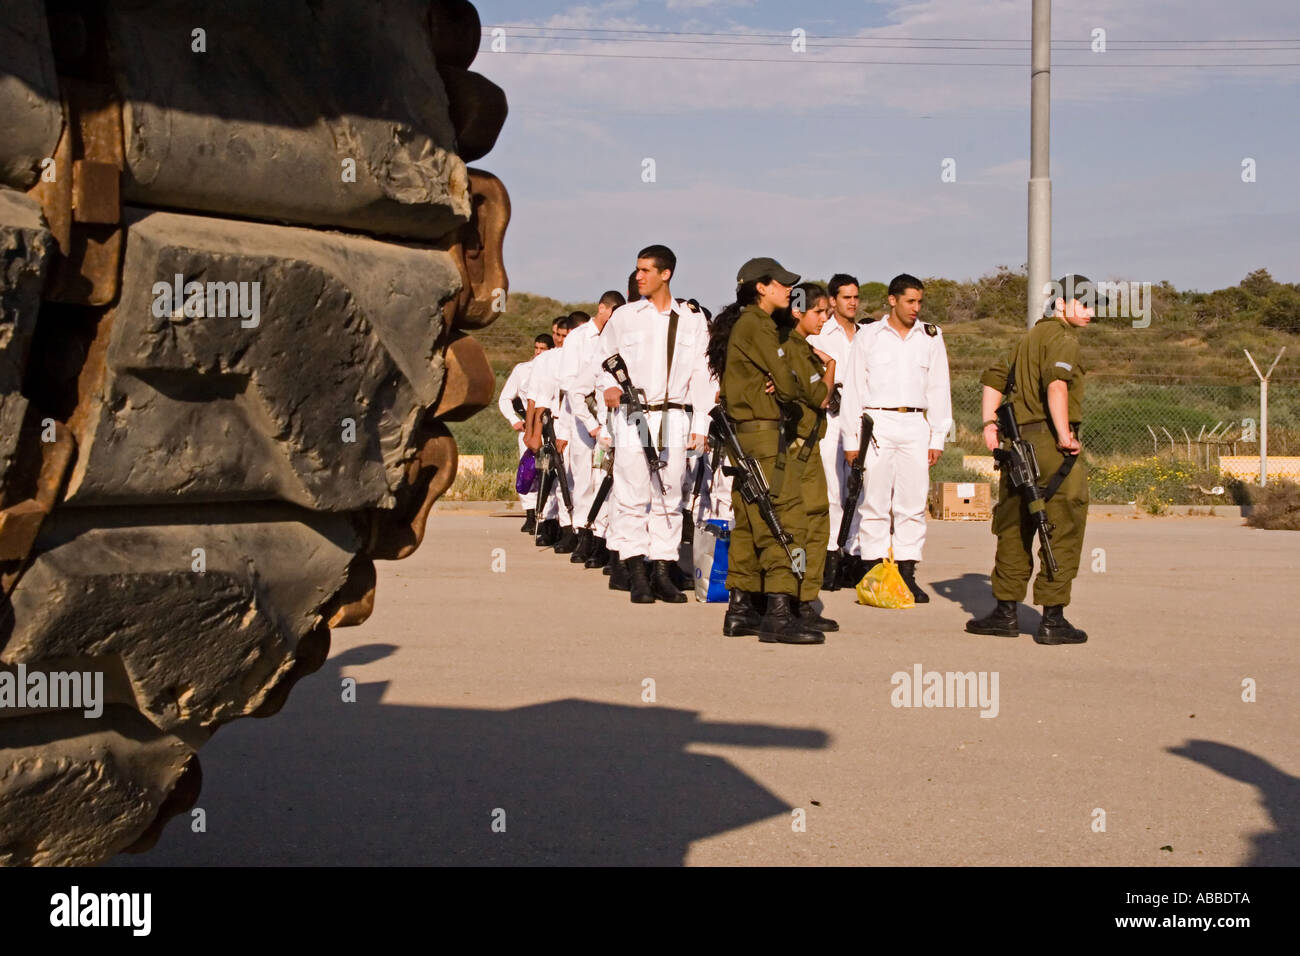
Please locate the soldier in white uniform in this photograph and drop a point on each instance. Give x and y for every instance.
(673, 374)
(511, 391)
(543, 391)
(579, 368)
(835, 339)
(898, 372)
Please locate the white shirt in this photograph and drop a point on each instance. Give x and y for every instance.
(639, 333)
(835, 342)
(543, 385)
(577, 377)
(513, 388)
(887, 369)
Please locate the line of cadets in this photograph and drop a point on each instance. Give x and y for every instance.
(794, 374)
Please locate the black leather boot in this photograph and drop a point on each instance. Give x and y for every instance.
(743, 615)
(782, 624)
(583, 549)
(548, 533)
(908, 571)
(530, 522)
(568, 542)
(618, 575)
(814, 620)
(1000, 622)
(852, 569)
(610, 564)
(831, 575)
(599, 556)
(1055, 629)
(680, 578)
(638, 576)
(661, 583)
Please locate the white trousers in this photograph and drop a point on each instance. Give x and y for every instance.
(527, 501)
(583, 478)
(896, 485)
(647, 519)
(837, 472)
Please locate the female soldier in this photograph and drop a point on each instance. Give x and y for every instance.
(804, 466)
(749, 360)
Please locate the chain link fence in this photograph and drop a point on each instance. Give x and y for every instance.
(1135, 426)
(1138, 417)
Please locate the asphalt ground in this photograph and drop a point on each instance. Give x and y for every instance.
(503, 716)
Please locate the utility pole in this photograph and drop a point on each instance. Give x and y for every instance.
(1263, 412)
(1040, 170)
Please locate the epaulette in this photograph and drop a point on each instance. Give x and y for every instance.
(931, 330)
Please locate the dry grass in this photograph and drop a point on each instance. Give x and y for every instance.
(1277, 507)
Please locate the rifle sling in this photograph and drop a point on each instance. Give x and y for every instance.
(672, 344)
(1053, 486)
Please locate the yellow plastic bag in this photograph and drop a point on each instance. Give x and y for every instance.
(883, 586)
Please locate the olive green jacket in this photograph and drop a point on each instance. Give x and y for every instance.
(755, 353)
(810, 370)
(1049, 352)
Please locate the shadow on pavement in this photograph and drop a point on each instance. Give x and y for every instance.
(327, 782)
(974, 593)
(1279, 792)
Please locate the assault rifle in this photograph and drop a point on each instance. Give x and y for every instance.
(1019, 463)
(552, 468)
(751, 483)
(636, 412)
(853, 487)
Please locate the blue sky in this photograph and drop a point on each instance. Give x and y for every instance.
(831, 166)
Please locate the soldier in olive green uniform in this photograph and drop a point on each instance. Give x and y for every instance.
(804, 458)
(756, 378)
(1046, 396)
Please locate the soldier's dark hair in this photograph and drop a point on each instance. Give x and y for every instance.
(663, 257)
(901, 283)
(632, 294)
(613, 299)
(725, 320)
(839, 281)
(558, 321)
(812, 293)
(544, 339)
(577, 318)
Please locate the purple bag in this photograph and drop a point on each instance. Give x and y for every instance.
(526, 474)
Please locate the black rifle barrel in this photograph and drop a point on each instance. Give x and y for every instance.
(853, 487)
(555, 462)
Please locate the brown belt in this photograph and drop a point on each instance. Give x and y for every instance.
(663, 405)
(757, 425)
(894, 408)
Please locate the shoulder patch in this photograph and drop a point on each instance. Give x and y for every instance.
(931, 330)
(1065, 365)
